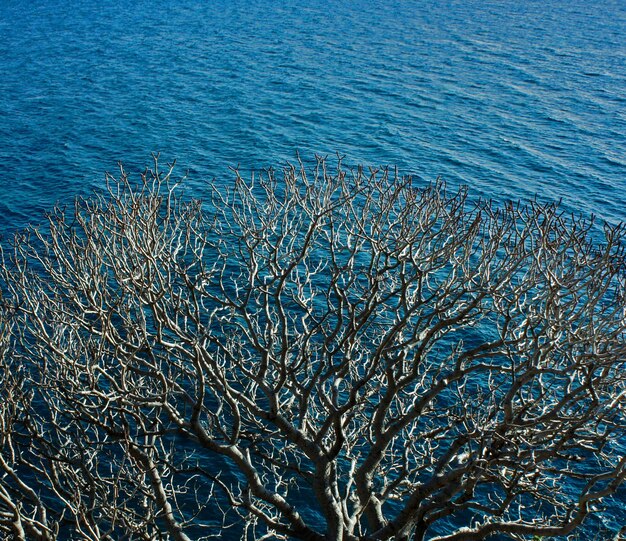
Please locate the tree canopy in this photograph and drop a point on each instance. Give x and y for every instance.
(326, 354)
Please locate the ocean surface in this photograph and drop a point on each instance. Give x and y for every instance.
(516, 98)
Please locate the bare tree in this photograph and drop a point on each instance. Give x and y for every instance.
(338, 355)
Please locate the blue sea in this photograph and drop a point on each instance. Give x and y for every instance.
(518, 99)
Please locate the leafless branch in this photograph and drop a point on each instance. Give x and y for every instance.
(331, 354)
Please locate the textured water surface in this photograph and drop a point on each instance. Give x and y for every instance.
(518, 99)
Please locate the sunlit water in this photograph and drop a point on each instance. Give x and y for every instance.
(518, 99)
(514, 98)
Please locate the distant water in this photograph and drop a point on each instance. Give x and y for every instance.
(517, 98)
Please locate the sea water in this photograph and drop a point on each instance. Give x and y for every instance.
(515, 98)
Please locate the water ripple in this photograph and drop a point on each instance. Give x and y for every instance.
(517, 99)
